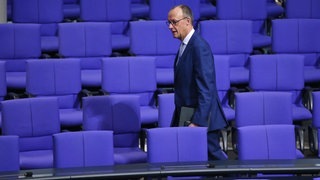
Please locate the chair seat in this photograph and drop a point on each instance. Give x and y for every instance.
(120, 42)
(148, 115)
(274, 10)
(49, 44)
(140, 10)
(36, 159)
(165, 76)
(229, 113)
(16, 80)
(239, 75)
(311, 74)
(301, 113)
(260, 40)
(71, 10)
(129, 155)
(70, 117)
(91, 78)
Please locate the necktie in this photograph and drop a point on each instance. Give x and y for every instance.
(181, 49)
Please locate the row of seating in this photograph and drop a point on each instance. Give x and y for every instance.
(50, 13)
(91, 41)
(32, 137)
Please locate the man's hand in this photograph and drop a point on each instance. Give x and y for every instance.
(193, 125)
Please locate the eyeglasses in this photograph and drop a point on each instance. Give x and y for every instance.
(174, 22)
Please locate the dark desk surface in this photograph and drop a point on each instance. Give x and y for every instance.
(305, 167)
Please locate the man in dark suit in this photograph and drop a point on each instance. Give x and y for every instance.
(194, 82)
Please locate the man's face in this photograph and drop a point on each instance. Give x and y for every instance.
(178, 24)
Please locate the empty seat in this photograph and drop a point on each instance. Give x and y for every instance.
(89, 42)
(3, 86)
(304, 9)
(135, 76)
(83, 149)
(59, 78)
(19, 42)
(46, 13)
(108, 11)
(9, 156)
(299, 36)
(160, 45)
(266, 142)
(34, 120)
(253, 10)
(232, 38)
(120, 114)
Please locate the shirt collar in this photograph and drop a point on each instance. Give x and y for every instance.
(188, 37)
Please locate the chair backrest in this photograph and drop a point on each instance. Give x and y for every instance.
(264, 142)
(34, 120)
(254, 10)
(161, 45)
(89, 41)
(115, 113)
(261, 108)
(159, 9)
(45, 13)
(18, 42)
(298, 36)
(3, 81)
(165, 109)
(130, 75)
(37, 11)
(105, 10)
(276, 72)
(232, 38)
(121, 114)
(306, 9)
(83, 149)
(316, 109)
(177, 144)
(55, 77)
(9, 156)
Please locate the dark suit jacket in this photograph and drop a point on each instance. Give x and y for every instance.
(195, 86)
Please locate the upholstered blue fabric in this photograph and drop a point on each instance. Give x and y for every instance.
(83, 149)
(34, 120)
(121, 114)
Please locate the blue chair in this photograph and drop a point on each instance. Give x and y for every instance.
(207, 9)
(18, 42)
(299, 36)
(140, 9)
(135, 76)
(166, 109)
(252, 10)
(314, 133)
(120, 114)
(83, 149)
(231, 38)
(160, 45)
(302, 9)
(46, 13)
(266, 142)
(89, 42)
(71, 9)
(274, 10)
(3, 86)
(177, 144)
(60, 78)
(34, 120)
(263, 108)
(108, 11)
(282, 72)
(9, 156)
